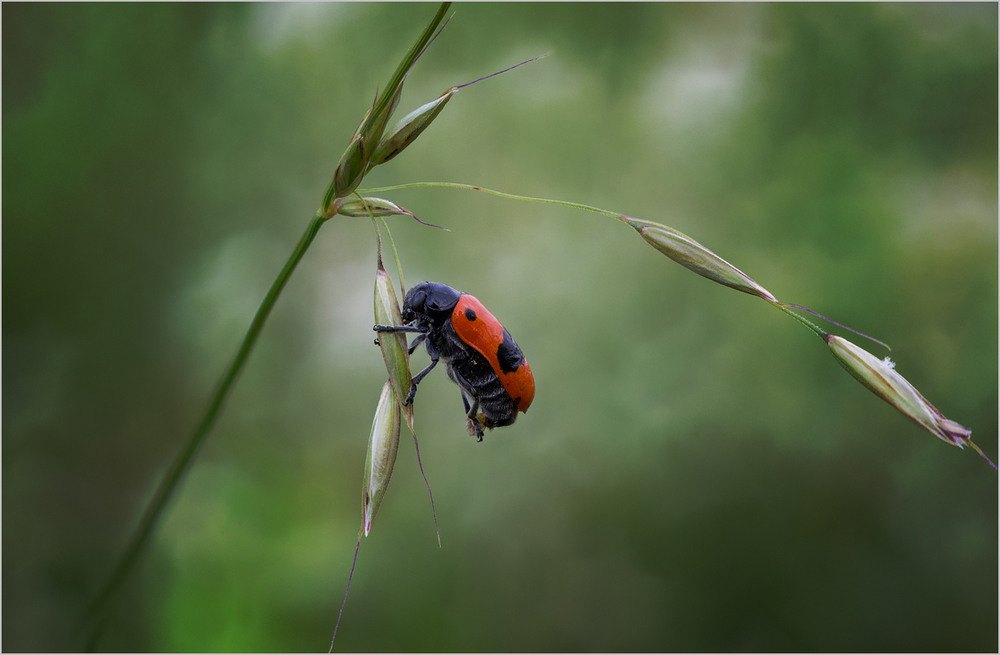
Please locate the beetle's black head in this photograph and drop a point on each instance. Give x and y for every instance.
(429, 303)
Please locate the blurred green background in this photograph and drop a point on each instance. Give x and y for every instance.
(696, 473)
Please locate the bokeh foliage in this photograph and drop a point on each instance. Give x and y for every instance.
(696, 472)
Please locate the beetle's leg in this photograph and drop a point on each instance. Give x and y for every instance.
(471, 409)
(466, 390)
(398, 328)
(416, 342)
(475, 428)
(404, 328)
(415, 380)
(470, 401)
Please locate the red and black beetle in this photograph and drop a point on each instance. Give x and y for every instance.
(480, 355)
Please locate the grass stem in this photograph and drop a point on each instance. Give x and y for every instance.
(500, 194)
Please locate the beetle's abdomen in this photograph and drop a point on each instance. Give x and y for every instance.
(475, 375)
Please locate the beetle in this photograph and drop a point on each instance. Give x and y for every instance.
(480, 355)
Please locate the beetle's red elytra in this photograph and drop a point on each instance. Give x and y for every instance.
(476, 326)
(480, 355)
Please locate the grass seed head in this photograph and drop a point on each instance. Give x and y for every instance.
(376, 127)
(376, 206)
(383, 443)
(409, 128)
(351, 168)
(392, 344)
(881, 378)
(692, 255)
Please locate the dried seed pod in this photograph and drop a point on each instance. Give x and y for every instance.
(376, 206)
(692, 255)
(351, 168)
(383, 443)
(409, 128)
(392, 344)
(881, 378)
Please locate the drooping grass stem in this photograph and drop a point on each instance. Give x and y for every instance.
(576, 205)
(803, 320)
(500, 194)
(182, 462)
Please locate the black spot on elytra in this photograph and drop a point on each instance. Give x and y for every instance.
(509, 356)
(470, 314)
